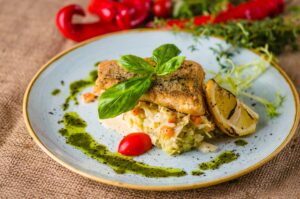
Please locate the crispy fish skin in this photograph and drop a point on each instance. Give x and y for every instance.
(181, 90)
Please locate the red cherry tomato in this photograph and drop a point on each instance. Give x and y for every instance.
(135, 144)
(162, 8)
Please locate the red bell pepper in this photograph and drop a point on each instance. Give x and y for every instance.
(126, 13)
(78, 31)
(140, 10)
(181, 23)
(251, 10)
(105, 9)
(123, 17)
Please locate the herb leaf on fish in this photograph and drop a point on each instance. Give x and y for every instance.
(124, 96)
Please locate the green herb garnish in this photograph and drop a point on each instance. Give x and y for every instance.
(97, 63)
(190, 8)
(278, 33)
(164, 53)
(124, 96)
(197, 173)
(170, 66)
(77, 86)
(224, 158)
(271, 107)
(238, 78)
(135, 64)
(74, 131)
(55, 92)
(223, 54)
(240, 142)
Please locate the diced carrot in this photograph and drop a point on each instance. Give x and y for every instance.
(88, 97)
(172, 119)
(196, 119)
(167, 132)
(97, 90)
(136, 111)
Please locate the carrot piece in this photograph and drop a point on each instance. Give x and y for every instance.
(88, 97)
(167, 132)
(172, 119)
(196, 119)
(136, 111)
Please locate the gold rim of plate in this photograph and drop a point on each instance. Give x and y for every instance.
(155, 188)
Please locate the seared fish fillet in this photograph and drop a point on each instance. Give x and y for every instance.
(181, 90)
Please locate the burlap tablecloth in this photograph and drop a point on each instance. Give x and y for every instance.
(28, 38)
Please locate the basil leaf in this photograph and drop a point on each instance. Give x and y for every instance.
(135, 64)
(170, 66)
(122, 97)
(164, 53)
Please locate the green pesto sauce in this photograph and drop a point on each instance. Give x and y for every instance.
(77, 86)
(197, 173)
(223, 158)
(55, 92)
(241, 142)
(75, 134)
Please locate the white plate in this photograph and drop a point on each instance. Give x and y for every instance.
(76, 63)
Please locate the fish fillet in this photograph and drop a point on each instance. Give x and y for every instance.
(181, 90)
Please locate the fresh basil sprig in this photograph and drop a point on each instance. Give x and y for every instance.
(170, 66)
(124, 96)
(135, 64)
(164, 53)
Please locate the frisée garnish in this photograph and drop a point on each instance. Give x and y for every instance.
(238, 78)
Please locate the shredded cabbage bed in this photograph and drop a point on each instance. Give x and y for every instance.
(169, 130)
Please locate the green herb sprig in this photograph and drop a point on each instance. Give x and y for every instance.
(124, 96)
(239, 78)
(223, 54)
(190, 8)
(277, 33)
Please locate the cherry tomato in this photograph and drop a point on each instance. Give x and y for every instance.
(135, 144)
(162, 8)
